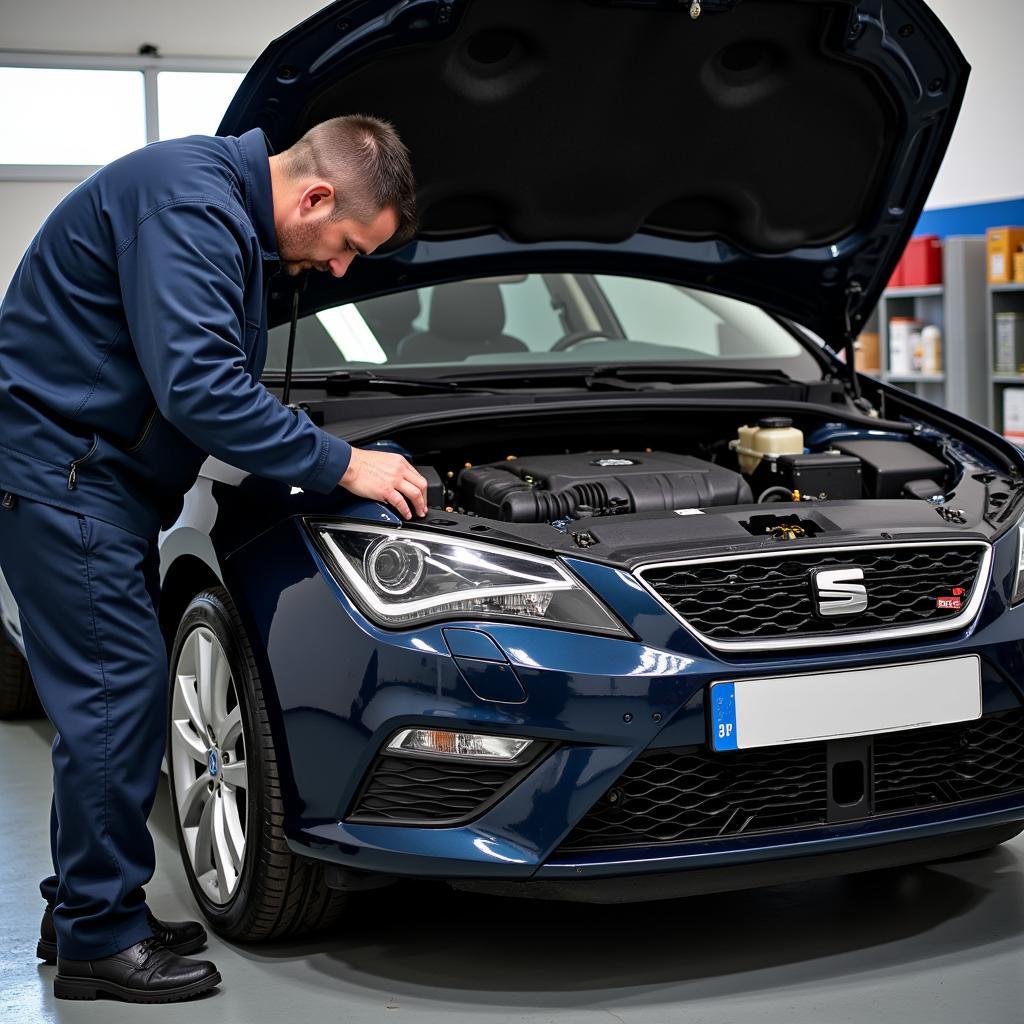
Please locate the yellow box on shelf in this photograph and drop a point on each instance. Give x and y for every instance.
(1002, 244)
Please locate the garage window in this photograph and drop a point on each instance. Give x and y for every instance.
(64, 115)
(193, 102)
(70, 116)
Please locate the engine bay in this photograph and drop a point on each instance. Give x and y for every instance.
(633, 480)
(768, 463)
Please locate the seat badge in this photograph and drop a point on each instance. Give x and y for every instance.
(838, 593)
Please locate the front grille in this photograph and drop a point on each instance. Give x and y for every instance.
(773, 599)
(692, 794)
(422, 791)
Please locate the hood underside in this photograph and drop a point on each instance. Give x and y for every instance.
(775, 150)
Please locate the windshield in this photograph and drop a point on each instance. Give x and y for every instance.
(541, 319)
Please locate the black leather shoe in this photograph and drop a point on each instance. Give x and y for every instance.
(147, 972)
(181, 937)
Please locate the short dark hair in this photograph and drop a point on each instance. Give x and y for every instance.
(366, 162)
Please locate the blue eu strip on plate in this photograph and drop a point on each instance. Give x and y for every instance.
(723, 716)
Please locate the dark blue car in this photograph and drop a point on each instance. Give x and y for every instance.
(695, 606)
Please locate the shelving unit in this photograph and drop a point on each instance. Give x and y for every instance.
(958, 308)
(1000, 298)
(923, 291)
(915, 378)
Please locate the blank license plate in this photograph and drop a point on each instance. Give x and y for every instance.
(769, 711)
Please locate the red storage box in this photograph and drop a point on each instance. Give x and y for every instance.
(923, 261)
(920, 264)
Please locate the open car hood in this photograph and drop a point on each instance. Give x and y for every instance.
(778, 151)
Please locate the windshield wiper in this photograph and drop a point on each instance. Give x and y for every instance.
(632, 377)
(637, 377)
(342, 382)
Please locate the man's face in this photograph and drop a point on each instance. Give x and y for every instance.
(314, 241)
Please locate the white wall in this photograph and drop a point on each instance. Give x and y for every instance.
(23, 207)
(985, 160)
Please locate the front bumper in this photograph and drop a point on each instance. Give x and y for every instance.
(343, 687)
(792, 866)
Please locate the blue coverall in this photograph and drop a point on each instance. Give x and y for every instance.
(132, 339)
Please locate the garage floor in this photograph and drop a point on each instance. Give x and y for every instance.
(932, 945)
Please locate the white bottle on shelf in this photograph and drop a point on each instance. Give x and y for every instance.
(931, 344)
(902, 330)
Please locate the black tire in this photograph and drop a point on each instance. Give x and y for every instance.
(17, 693)
(277, 893)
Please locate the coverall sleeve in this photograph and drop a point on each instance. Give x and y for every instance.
(182, 286)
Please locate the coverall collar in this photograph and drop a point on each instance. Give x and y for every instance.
(259, 198)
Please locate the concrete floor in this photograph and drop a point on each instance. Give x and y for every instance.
(938, 944)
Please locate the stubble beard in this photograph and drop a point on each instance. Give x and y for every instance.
(295, 242)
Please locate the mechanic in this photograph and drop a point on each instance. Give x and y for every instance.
(132, 340)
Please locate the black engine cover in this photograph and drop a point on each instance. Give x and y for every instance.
(541, 488)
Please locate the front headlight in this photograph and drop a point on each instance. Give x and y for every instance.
(407, 577)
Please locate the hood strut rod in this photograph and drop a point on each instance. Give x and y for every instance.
(290, 357)
(853, 291)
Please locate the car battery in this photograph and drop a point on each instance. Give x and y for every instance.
(888, 465)
(821, 475)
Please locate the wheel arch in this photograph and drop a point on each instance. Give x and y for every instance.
(186, 576)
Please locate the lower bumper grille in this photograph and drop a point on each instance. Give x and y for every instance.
(692, 794)
(400, 790)
(949, 763)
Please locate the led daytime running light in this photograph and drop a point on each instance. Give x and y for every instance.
(405, 577)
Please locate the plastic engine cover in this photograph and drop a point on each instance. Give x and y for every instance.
(540, 488)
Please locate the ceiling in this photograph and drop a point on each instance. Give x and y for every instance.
(193, 28)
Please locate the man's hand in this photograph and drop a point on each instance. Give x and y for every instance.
(385, 476)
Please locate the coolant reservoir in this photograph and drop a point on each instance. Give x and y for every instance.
(773, 435)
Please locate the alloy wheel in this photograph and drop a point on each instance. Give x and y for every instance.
(207, 749)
